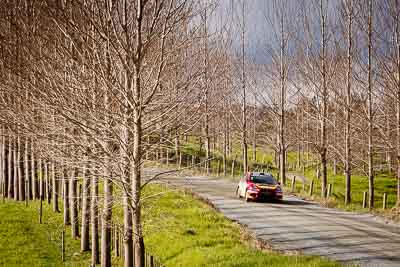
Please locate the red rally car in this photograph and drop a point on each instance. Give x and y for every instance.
(258, 186)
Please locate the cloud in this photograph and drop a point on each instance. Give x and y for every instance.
(260, 34)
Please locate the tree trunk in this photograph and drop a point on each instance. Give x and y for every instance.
(205, 82)
(255, 129)
(298, 138)
(21, 180)
(67, 220)
(128, 243)
(126, 165)
(282, 141)
(6, 168)
(106, 222)
(55, 186)
(106, 225)
(302, 146)
(33, 173)
(94, 220)
(225, 151)
(16, 167)
(177, 146)
(370, 115)
(73, 200)
(136, 186)
(85, 211)
(348, 160)
(397, 32)
(47, 181)
(2, 176)
(323, 152)
(10, 169)
(27, 175)
(389, 138)
(244, 105)
(228, 136)
(41, 184)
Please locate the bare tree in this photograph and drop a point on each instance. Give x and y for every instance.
(370, 109)
(243, 83)
(349, 13)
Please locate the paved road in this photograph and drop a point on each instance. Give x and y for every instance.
(299, 226)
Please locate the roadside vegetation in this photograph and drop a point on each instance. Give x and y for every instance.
(184, 231)
(385, 182)
(179, 231)
(25, 242)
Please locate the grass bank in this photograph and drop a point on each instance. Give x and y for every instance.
(183, 231)
(384, 183)
(179, 230)
(25, 242)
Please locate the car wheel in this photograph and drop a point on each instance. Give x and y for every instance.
(247, 199)
(238, 193)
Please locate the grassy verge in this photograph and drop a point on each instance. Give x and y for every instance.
(183, 231)
(179, 231)
(263, 160)
(384, 183)
(24, 242)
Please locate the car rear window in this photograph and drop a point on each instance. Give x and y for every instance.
(263, 179)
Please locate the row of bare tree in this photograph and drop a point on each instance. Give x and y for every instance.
(329, 87)
(88, 88)
(339, 86)
(91, 90)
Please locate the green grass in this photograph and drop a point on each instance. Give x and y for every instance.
(183, 231)
(384, 183)
(264, 160)
(179, 231)
(25, 242)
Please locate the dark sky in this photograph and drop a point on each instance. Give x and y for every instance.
(260, 35)
(256, 26)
